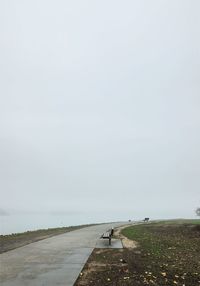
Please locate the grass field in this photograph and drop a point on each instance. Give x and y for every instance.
(168, 254)
(178, 221)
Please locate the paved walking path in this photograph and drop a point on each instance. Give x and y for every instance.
(54, 261)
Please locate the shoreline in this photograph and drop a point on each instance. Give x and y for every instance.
(15, 240)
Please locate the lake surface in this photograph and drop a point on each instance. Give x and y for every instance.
(21, 223)
(15, 223)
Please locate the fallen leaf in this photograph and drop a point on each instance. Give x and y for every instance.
(164, 274)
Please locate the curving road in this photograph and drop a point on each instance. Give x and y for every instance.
(54, 261)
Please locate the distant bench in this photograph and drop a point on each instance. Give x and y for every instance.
(108, 235)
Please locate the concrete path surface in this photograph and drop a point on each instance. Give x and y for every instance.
(54, 261)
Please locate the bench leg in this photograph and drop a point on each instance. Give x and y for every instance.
(109, 240)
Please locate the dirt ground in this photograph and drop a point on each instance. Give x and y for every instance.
(127, 243)
(165, 255)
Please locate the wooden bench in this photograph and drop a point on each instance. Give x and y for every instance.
(108, 235)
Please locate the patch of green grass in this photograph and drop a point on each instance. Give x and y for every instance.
(178, 221)
(146, 239)
(159, 236)
(171, 246)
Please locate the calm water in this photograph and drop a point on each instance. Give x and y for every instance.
(20, 223)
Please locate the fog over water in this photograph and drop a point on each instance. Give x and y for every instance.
(99, 111)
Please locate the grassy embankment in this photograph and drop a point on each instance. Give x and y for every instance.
(15, 240)
(168, 253)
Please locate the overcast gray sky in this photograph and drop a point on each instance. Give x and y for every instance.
(100, 107)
